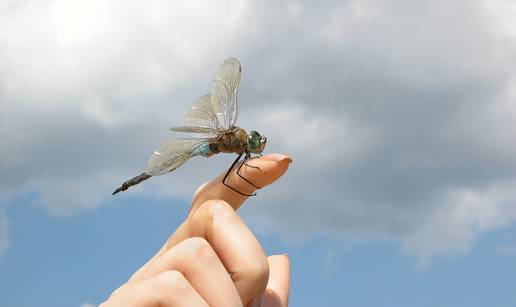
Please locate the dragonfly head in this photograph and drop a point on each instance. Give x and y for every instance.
(255, 142)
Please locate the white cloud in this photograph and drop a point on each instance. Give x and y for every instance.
(87, 305)
(309, 131)
(464, 213)
(400, 116)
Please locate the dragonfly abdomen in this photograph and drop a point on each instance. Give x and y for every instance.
(131, 182)
(205, 150)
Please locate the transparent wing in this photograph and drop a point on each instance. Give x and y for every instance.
(201, 114)
(201, 119)
(197, 130)
(223, 92)
(171, 154)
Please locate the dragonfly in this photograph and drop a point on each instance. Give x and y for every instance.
(210, 120)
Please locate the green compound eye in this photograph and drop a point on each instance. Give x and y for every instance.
(255, 142)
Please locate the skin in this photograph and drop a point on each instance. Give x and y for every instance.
(213, 259)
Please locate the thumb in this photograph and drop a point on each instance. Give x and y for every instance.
(277, 290)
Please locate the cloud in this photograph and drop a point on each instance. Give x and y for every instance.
(462, 215)
(506, 250)
(507, 247)
(399, 115)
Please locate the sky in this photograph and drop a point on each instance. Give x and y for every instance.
(399, 115)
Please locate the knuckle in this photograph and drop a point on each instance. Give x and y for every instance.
(162, 288)
(188, 253)
(257, 273)
(252, 280)
(171, 281)
(118, 291)
(261, 273)
(200, 189)
(207, 210)
(197, 248)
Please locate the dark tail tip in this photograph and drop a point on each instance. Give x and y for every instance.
(131, 182)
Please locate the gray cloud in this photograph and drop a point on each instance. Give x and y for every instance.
(399, 115)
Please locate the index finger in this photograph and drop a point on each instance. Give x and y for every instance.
(260, 171)
(271, 167)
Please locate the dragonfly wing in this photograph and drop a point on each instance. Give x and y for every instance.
(199, 117)
(223, 92)
(171, 154)
(202, 130)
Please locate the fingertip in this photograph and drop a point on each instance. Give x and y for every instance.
(277, 157)
(258, 173)
(272, 167)
(244, 180)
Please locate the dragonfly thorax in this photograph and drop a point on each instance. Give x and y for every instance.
(237, 140)
(232, 140)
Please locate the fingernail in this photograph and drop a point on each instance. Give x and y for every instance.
(277, 157)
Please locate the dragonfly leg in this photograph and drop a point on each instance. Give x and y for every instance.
(229, 171)
(247, 156)
(249, 165)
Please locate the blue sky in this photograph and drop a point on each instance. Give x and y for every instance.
(71, 261)
(399, 116)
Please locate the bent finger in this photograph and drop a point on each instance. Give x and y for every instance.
(234, 243)
(198, 262)
(169, 289)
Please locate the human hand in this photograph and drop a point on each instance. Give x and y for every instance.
(212, 259)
